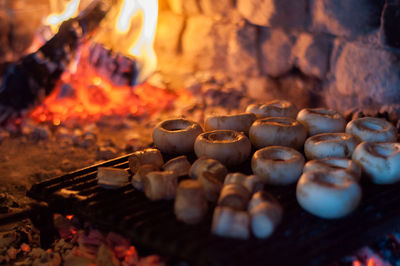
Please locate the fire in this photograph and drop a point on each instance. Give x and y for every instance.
(54, 20)
(83, 93)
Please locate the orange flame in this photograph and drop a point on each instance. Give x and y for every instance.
(128, 28)
(55, 19)
(93, 97)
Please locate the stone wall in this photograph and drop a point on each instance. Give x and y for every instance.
(339, 53)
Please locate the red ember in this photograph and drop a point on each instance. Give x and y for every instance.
(84, 95)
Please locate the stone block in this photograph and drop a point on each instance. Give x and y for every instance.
(260, 88)
(311, 54)
(276, 47)
(275, 13)
(184, 7)
(197, 40)
(211, 7)
(242, 50)
(205, 41)
(169, 30)
(349, 18)
(363, 75)
(390, 26)
(302, 91)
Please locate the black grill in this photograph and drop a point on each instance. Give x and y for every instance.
(300, 239)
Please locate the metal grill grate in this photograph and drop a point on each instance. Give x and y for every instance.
(300, 239)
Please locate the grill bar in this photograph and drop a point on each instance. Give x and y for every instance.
(300, 239)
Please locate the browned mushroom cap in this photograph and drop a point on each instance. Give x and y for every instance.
(328, 194)
(176, 136)
(190, 202)
(260, 197)
(239, 122)
(372, 129)
(325, 145)
(379, 161)
(205, 164)
(227, 146)
(277, 131)
(146, 156)
(252, 183)
(320, 120)
(334, 164)
(278, 165)
(109, 177)
(179, 165)
(137, 178)
(265, 217)
(212, 186)
(231, 223)
(234, 196)
(160, 185)
(274, 108)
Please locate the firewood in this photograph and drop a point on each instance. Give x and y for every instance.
(34, 76)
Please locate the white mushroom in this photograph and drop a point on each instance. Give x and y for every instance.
(179, 165)
(227, 146)
(176, 136)
(137, 178)
(275, 108)
(334, 164)
(109, 177)
(278, 131)
(234, 196)
(231, 223)
(212, 186)
(238, 122)
(146, 156)
(328, 194)
(379, 161)
(320, 120)
(325, 145)
(278, 165)
(265, 217)
(252, 183)
(205, 164)
(190, 202)
(160, 185)
(372, 129)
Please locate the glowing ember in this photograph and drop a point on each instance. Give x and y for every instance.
(84, 95)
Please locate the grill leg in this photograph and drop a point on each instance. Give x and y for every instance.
(44, 221)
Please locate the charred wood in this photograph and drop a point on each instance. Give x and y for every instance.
(118, 68)
(33, 77)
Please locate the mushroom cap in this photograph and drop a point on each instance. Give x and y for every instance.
(334, 164)
(326, 145)
(372, 129)
(379, 161)
(328, 194)
(273, 131)
(226, 146)
(176, 136)
(238, 122)
(320, 120)
(278, 165)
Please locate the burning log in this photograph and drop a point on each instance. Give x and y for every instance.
(34, 76)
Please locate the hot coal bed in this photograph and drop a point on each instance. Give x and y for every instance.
(213, 58)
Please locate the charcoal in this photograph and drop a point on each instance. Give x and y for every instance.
(34, 76)
(119, 69)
